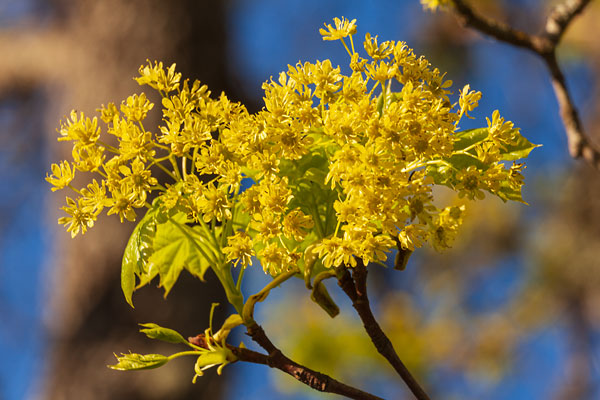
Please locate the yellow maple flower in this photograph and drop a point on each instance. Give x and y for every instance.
(62, 175)
(343, 28)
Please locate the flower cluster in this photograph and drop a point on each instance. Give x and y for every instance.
(341, 165)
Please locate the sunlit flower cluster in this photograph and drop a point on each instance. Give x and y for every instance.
(342, 162)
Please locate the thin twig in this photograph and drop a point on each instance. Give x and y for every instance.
(544, 46)
(561, 16)
(355, 287)
(276, 359)
(496, 29)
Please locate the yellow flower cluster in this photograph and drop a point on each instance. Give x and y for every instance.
(343, 164)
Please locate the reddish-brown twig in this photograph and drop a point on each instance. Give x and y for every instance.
(355, 287)
(543, 45)
(276, 359)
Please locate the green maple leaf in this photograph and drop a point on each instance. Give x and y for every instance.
(178, 247)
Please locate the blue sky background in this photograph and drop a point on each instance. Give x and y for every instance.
(266, 36)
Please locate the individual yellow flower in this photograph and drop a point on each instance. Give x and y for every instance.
(239, 249)
(171, 197)
(80, 129)
(326, 78)
(347, 210)
(267, 165)
(138, 178)
(499, 131)
(136, 107)
(412, 236)
(274, 196)
(94, 196)
(515, 173)
(108, 113)
(357, 64)
(355, 87)
(156, 77)
(375, 248)
(275, 259)
(470, 183)
(230, 176)
(378, 51)
(266, 224)
(122, 205)
(438, 86)
(468, 101)
(250, 200)
(335, 251)
(133, 141)
(214, 204)
(62, 175)
(342, 29)
(295, 225)
(88, 158)
(81, 217)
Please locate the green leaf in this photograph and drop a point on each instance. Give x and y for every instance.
(138, 250)
(154, 331)
(219, 356)
(132, 361)
(463, 161)
(175, 249)
(519, 149)
(469, 137)
(316, 175)
(506, 192)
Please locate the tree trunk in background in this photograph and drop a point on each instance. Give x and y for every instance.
(84, 55)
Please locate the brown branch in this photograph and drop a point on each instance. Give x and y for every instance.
(314, 379)
(579, 144)
(355, 288)
(544, 46)
(467, 16)
(561, 16)
(276, 359)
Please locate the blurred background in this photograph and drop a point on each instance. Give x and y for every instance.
(512, 312)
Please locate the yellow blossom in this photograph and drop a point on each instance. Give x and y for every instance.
(156, 77)
(343, 28)
(345, 164)
(295, 225)
(377, 51)
(81, 217)
(62, 175)
(239, 249)
(136, 107)
(275, 259)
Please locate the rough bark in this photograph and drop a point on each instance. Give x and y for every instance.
(84, 54)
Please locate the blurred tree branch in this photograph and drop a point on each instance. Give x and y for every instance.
(355, 287)
(543, 45)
